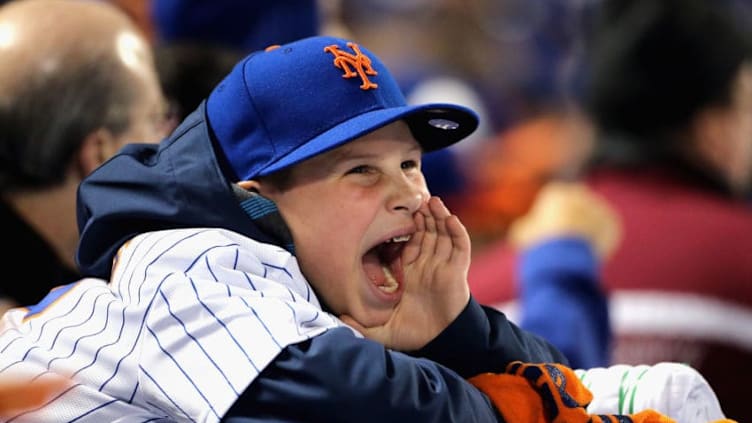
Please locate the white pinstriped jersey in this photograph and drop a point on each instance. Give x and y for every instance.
(190, 318)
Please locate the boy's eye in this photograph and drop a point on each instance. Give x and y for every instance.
(409, 164)
(359, 169)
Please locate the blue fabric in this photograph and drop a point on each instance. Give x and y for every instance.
(379, 385)
(279, 107)
(266, 215)
(481, 335)
(372, 385)
(562, 301)
(177, 183)
(443, 174)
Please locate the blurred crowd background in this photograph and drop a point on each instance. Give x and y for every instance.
(524, 66)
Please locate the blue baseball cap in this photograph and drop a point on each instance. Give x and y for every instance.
(288, 103)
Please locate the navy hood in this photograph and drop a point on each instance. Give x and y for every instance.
(177, 183)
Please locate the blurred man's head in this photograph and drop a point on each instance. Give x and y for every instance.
(673, 75)
(77, 81)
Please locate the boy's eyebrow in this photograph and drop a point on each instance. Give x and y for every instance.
(347, 153)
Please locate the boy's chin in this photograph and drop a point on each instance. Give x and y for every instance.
(370, 318)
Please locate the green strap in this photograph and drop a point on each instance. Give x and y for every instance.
(634, 390)
(622, 391)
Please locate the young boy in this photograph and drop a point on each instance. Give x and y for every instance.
(278, 258)
(290, 202)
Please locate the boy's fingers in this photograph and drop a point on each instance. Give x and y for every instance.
(430, 222)
(443, 240)
(445, 243)
(411, 252)
(460, 237)
(438, 209)
(455, 244)
(420, 221)
(428, 245)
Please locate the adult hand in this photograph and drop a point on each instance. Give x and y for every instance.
(435, 263)
(569, 209)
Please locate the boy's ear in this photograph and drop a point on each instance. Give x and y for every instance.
(251, 185)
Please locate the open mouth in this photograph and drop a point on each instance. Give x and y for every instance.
(383, 266)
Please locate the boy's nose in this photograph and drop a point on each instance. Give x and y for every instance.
(409, 195)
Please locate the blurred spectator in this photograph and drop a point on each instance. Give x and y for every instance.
(236, 24)
(669, 90)
(197, 42)
(188, 71)
(77, 81)
(140, 13)
(568, 232)
(671, 94)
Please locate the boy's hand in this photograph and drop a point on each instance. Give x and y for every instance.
(435, 263)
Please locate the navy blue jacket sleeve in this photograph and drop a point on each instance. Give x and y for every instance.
(562, 300)
(339, 377)
(481, 339)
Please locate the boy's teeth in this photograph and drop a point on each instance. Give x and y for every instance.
(402, 238)
(390, 284)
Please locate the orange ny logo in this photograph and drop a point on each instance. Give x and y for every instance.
(358, 61)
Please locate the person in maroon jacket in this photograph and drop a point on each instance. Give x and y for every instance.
(671, 96)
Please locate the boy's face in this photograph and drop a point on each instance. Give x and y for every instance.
(343, 207)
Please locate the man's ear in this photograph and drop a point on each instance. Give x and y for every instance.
(710, 134)
(96, 148)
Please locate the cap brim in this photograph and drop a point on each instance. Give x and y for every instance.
(434, 126)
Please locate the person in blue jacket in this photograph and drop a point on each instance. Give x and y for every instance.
(277, 258)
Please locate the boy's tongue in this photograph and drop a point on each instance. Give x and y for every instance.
(381, 259)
